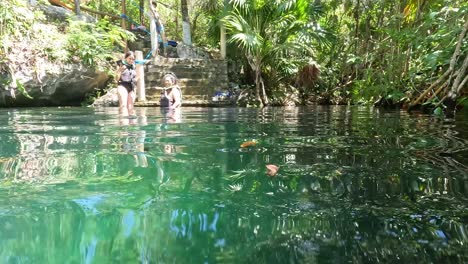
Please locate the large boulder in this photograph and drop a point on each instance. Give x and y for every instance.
(68, 85)
(61, 14)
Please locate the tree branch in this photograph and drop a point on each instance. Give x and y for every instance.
(456, 83)
(465, 80)
(453, 61)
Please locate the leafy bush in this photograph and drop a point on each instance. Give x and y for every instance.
(15, 19)
(94, 43)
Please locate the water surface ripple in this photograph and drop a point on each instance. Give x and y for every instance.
(355, 184)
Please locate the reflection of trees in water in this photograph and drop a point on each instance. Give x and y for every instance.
(372, 154)
(39, 165)
(362, 233)
(59, 150)
(309, 231)
(351, 153)
(325, 228)
(37, 161)
(184, 222)
(368, 163)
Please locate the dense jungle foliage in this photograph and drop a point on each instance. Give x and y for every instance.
(407, 52)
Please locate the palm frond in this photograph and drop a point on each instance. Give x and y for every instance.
(246, 42)
(277, 35)
(209, 6)
(240, 4)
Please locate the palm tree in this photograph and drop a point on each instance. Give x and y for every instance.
(268, 32)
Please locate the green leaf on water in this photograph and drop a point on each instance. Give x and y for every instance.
(438, 111)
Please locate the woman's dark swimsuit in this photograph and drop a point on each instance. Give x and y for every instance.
(165, 101)
(127, 85)
(127, 78)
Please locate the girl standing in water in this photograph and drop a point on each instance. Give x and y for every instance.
(126, 76)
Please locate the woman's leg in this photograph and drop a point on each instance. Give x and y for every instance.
(131, 102)
(123, 100)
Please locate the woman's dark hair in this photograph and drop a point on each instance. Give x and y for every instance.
(129, 53)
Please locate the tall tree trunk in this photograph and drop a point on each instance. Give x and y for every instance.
(77, 7)
(356, 28)
(176, 18)
(264, 97)
(187, 37)
(142, 11)
(99, 8)
(258, 76)
(223, 41)
(255, 64)
(122, 21)
(153, 30)
(222, 38)
(258, 81)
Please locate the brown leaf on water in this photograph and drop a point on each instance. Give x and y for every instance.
(247, 144)
(272, 170)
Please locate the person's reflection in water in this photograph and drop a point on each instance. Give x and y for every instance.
(170, 116)
(162, 161)
(135, 139)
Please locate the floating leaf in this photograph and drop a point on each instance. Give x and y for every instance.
(247, 144)
(438, 111)
(272, 170)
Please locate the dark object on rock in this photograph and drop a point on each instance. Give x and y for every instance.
(172, 43)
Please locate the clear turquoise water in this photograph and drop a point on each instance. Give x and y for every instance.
(355, 184)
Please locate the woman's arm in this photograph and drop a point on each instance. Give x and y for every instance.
(118, 72)
(177, 97)
(136, 75)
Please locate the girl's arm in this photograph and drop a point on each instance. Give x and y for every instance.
(118, 72)
(177, 96)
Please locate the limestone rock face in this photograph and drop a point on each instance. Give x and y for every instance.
(111, 98)
(62, 14)
(185, 51)
(66, 86)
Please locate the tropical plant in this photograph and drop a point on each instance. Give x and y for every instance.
(17, 25)
(94, 43)
(391, 51)
(268, 32)
(447, 58)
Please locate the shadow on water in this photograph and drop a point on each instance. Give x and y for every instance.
(354, 184)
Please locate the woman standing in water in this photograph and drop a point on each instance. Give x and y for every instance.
(126, 76)
(171, 96)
